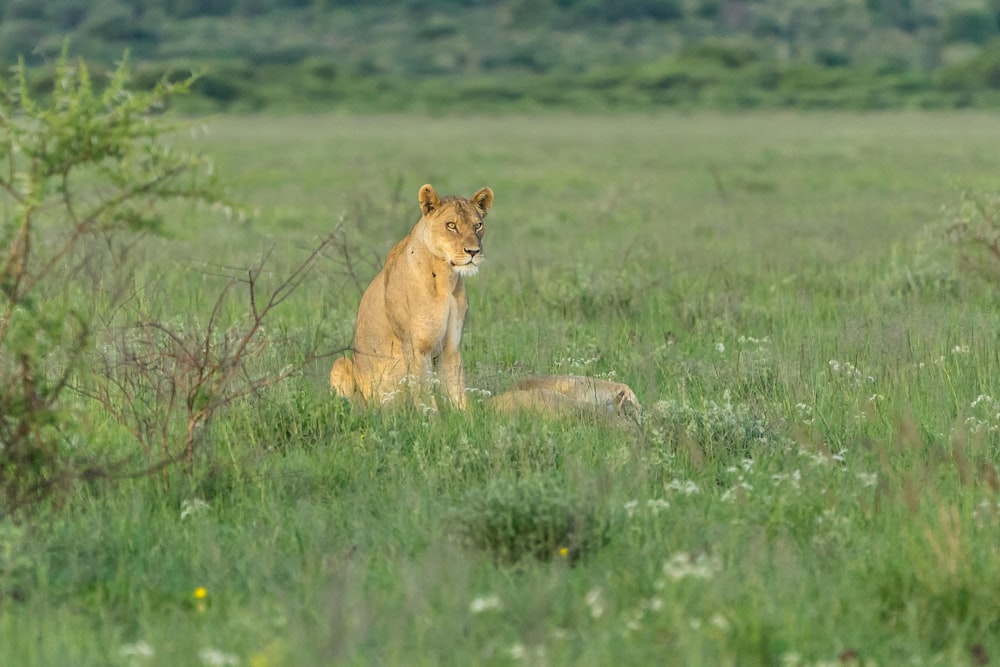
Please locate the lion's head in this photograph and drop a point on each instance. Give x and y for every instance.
(453, 227)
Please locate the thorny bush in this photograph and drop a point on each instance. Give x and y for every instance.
(84, 173)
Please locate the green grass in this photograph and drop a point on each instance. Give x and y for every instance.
(814, 478)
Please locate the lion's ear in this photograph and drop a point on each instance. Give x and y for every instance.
(483, 199)
(429, 199)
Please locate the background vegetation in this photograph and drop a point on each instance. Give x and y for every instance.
(805, 304)
(529, 54)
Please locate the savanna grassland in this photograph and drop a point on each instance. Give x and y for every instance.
(813, 480)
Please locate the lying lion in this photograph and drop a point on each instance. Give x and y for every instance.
(411, 319)
(569, 394)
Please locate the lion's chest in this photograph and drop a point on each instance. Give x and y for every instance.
(444, 328)
(433, 300)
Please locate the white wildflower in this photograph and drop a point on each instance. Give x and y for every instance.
(720, 347)
(982, 398)
(630, 507)
(985, 510)
(791, 659)
(867, 478)
(686, 487)
(739, 488)
(595, 602)
(482, 394)
(633, 621)
(794, 478)
(849, 372)
(719, 622)
(191, 506)
(139, 649)
(657, 505)
(213, 657)
(576, 362)
(485, 603)
(683, 565)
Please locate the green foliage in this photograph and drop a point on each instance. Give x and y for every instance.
(112, 22)
(971, 24)
(717, 431)
(438, 54)
(89, 175)
(975, 231)
(531, 517)
(980, 73)
(926, 269)
(80, 166)
(814, 481)
(584, 293)
(14, 559)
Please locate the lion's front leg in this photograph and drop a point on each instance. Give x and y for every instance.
(450, 368)
(420, 376)
(452, 375)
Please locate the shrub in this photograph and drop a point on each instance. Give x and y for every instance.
(730, 54)
(976, 74)
(970, 24)
(221, 87)
(112, 22)
(85, 174)
(920, 270)
(720, 431)
(584, 293)
(80, 167)
(975, 231)
(534, 516)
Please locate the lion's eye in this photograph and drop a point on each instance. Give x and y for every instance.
(452, 226)
(478, 226)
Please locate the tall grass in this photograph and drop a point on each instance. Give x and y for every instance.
(814, 480)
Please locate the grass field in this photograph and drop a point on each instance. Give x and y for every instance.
(814, 480)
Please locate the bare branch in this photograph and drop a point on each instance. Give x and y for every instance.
(86, 224)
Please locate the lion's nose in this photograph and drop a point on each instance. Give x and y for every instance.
(473, 251)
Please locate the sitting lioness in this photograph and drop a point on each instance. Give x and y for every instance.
(413, 312)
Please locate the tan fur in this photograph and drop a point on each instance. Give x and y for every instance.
(569, 394)
(413, 312)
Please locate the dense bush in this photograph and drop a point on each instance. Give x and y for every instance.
(531, 517)
(640, 53)
(86, 178)
(84, 167)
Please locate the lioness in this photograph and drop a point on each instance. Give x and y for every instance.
(413, 311)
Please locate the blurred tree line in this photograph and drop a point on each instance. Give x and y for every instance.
(535, 53)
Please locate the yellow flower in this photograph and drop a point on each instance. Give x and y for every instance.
(563, 551)
(200, 593)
